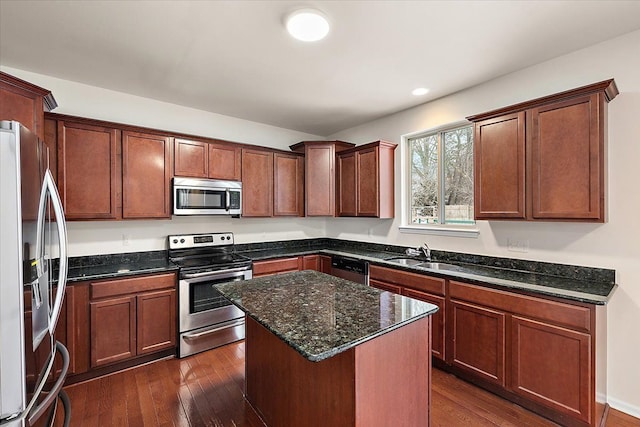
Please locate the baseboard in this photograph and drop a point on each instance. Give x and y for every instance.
(632, 410)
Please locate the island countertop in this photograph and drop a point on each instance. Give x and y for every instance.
(320, 315)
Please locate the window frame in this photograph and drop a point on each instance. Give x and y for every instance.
(456, 230)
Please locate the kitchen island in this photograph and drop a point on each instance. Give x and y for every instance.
(323, 351)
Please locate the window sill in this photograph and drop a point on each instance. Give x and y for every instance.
(440, 231)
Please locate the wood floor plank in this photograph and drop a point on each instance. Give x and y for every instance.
(207, 389)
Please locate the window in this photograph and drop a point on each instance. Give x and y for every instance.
(441, 177)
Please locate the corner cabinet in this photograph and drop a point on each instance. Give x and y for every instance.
(25, 103)
(320, 175)
(365, 181)
(544, 159)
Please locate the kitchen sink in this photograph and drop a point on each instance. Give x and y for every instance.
(437, 266)
(405, 261)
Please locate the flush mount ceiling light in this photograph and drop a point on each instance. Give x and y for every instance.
(420, 91)
(308, 25)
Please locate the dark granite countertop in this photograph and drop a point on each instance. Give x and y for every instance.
(583, 284)
(118, 265)
(320, 315)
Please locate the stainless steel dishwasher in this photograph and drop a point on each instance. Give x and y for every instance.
(350, 269)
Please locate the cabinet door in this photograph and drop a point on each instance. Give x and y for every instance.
(146, 174)
(288, 185)
(276, 266)
(385, 286)
(191, 158)
(225, 161)
(311, 262)
(113, 330)
(551, 365)
(156, 321)
(567, 160)
(478, 341)
(437, 323)
(89, 171)
(368, 188)
(320, 191)
(257, 183)
(499, 162)
(346, 173)
(325, 264)
(51, 141)
(24, 102)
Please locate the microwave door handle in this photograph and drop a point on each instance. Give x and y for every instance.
(228, 204)
(62, 242)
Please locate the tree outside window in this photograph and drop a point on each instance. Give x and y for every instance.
(441, 181)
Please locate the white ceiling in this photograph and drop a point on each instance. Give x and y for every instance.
(235, 57)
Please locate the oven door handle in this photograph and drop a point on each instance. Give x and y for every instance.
(213, 274)
(209, 331)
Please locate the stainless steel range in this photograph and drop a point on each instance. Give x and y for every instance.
(206, 318)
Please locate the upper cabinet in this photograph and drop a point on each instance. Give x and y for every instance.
(257, 183)
(109, 172)
(365, 181)
(320, 175)
(25, 103)
(544, 159)
(288, 184)
(201, 159)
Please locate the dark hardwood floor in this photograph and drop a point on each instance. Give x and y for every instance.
(206, 390)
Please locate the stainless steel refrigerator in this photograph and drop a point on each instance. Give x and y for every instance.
(33, 273)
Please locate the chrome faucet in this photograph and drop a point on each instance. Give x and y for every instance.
(426, 250)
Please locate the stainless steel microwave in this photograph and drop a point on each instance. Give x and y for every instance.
(193, 196)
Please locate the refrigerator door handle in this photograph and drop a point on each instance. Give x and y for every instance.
(35, 413)
(62, 241)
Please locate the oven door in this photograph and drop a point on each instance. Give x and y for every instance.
(200, 302)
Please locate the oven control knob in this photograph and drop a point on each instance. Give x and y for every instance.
(228, 237)
(181, 240)
(175, 240)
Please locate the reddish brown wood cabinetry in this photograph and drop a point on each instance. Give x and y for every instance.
(132, 317)
(288, 185)
(544, 159)
(257, 183)
(320, 175)
(365, 176)
(325, 264)
(204, 159)
(146, 175)
(89, 176)
(25, 103)
(276, 266)
(418, 286)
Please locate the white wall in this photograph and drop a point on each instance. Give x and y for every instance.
(103, 237)
(615, 244)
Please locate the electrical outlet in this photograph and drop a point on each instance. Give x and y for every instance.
(518, 245)
(126, 239)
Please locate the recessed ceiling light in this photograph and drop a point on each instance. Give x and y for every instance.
(420, 91)
(308, 25)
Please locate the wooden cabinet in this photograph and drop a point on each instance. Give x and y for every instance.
(325, 264)
(191, 158)
(89, 175)
(257, 183)
(132, 317)
(146, 175)
(478, 341)
(25, 103)
(418, 286)
(319, 166)
(203, 159)
(365, 181)
(539, 350)
(277, 266)
(288, 184)
(544, 159)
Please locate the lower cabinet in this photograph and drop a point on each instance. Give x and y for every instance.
(269, 267)
(478, 341)
(421, 287)
(131, 317)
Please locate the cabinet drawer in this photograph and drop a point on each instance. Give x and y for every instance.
(573, 316)
(280, 265)
(109, 288)
(419, 282)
